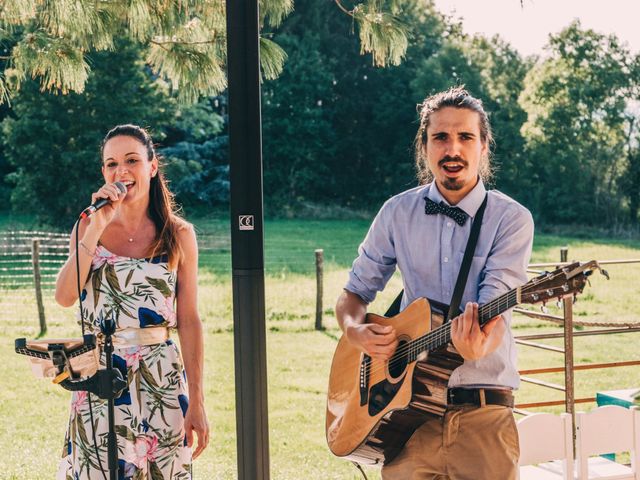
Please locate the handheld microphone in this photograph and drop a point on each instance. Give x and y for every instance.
(101, 202)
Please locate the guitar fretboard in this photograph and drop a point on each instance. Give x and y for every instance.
(440, 336)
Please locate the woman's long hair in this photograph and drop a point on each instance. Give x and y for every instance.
(162, 207)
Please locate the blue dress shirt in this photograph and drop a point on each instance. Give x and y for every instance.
(428, 250)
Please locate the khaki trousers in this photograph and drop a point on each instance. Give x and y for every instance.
(468, 443)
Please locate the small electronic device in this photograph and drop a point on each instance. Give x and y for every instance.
(61, 359)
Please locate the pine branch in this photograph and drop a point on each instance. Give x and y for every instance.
(58, 63)
(14, 12)
(342, 8)
(185, 39)
(189, 61)
(4, 91)
(176, 42)
(191, 73)
(381, 34)
(274, 11)
(272, 58)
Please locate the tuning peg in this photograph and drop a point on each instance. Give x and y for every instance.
(605, 273)
(575, 298)
(543, 308)
(559, 303)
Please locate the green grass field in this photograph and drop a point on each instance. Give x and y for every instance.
(34, 412)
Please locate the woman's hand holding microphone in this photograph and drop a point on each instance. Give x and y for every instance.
(114, 193)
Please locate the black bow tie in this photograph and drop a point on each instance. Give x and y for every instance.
(457, 214)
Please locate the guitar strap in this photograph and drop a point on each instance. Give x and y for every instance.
(454, 305)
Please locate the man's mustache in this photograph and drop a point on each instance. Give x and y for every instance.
(448, 158)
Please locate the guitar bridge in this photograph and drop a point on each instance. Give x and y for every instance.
(365, 368)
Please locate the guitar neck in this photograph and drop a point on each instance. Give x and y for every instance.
(441, 336)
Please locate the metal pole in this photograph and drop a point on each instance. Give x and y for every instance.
(112, 440)
(247, 245)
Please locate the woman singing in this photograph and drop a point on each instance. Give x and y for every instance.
(138, 265)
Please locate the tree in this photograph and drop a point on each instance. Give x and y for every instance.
(184, 42)
(63, 45)
(5, 167)
(298, 135)
(631, 178)
(501, 73)
(53, 141)
(337, 130)
(196, 155)
(577, 101)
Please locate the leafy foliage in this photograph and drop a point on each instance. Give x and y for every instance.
(577, 101)
(337, 131)
(196, 160)
(184, 41)
(381, 33)
(500, 79)
(52, 141)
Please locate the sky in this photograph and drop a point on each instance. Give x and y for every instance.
(527, 27)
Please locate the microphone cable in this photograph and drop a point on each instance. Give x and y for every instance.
(93, 429)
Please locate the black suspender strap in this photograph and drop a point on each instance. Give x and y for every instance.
(454, 306)
(394, 308)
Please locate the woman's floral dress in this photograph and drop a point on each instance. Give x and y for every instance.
(149, 415)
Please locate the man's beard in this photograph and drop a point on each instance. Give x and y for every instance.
(453, 184)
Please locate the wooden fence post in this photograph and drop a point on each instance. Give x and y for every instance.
(37, 282)
(319, 274)
(569, 393)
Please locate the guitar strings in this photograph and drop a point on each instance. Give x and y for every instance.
(442, 335)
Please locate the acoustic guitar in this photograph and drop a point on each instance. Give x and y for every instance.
(374, 406)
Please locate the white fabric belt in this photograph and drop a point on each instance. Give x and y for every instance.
(129, 337)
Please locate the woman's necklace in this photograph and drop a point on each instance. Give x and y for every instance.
(131, 237)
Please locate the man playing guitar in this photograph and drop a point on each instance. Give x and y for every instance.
(424, 231)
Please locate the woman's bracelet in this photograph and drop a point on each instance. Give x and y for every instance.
(86, 249)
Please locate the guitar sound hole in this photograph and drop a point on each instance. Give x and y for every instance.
(398, 362)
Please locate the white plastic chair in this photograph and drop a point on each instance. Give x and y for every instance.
(608, 429)
(546, 447)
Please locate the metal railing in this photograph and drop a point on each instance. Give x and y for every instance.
(568, 323)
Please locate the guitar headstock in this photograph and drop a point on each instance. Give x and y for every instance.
(566, 281)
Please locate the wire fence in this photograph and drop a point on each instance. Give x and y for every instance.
(16, 256)
(294, 296)
(30, 261)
